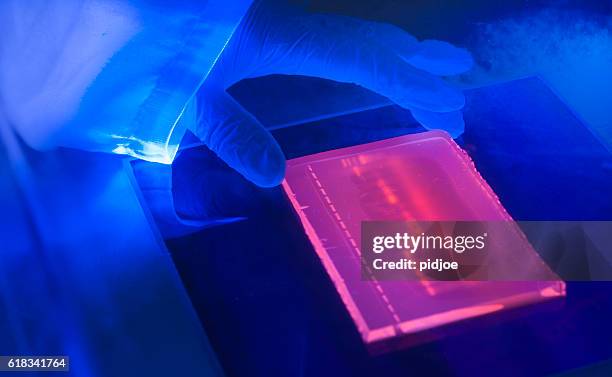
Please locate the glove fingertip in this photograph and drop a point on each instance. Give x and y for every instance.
(264, 168)
(271, 173)
(451, 122)
(441, 58)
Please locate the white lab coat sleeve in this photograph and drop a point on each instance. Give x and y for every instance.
(109, 75)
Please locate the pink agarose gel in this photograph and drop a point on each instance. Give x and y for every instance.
(415, 177)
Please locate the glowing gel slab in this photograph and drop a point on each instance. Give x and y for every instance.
(422, 177)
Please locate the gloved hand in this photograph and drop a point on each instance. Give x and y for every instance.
(274, 39)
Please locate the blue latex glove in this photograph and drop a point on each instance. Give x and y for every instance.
(274, 39)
